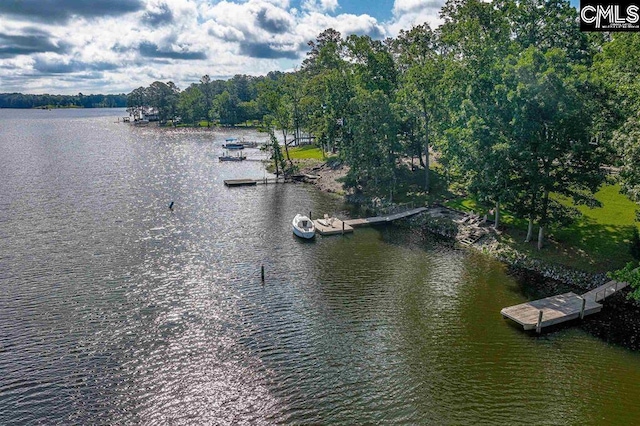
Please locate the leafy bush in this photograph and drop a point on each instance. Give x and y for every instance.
(629, 274)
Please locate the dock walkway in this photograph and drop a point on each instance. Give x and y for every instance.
(332, 226)
(335, 226)
(377, 220)
(252, 182)
(553, 310)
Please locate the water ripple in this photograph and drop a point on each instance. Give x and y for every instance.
(116, 310)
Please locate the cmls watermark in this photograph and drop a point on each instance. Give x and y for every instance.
(619, 16)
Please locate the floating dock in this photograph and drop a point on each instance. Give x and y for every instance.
(537, 314)
(333, 226)
(252, 182)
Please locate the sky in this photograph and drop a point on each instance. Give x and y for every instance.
(115, 46)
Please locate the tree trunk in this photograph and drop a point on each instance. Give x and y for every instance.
(426, 165)
(497, 218)
(419, 154)
(426, 146)
(286, 147)
(543, 219)
(540, 237)
(529, 230)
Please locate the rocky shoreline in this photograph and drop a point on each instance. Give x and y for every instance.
(327, 176)
(490, 245)
(618, 324)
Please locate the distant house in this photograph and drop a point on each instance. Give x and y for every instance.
(151, 114)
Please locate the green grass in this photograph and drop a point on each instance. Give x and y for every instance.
(596, 242)
(600, 238)
(306, 152)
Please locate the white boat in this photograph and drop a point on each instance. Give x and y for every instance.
(303, 227)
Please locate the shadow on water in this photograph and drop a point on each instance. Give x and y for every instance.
(618, 323)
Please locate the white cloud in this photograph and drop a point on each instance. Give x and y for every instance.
(409, 13)
(320, 5)
(314, 23)
(178, 40)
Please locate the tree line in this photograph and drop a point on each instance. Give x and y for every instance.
(515, 104)
(19, 100)
(227, 102)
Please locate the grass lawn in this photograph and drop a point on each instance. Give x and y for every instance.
(306, 152)
(596, 242)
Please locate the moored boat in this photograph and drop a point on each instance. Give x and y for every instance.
(303, 227)
(232, 143)
(227, 157)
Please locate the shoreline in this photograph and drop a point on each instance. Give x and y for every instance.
(616, 324)
(326, 181)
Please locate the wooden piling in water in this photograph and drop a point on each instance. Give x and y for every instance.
(539, 325)
(560, 308)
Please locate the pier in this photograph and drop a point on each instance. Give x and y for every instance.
(553, 310)
(335, 226)
(252, 182)
(332, 226)
(379, 220)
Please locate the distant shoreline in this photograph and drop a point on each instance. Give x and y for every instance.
(47, 101)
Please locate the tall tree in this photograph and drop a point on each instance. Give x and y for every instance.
(617, 68)
(421, 69)
(273, 95)
(371, 146)
(192, 104)
(208, 94)
(164, 98)
(551, 123)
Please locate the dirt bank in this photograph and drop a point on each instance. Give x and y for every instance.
(329, 175)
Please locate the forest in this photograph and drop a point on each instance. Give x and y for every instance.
(507, 99)
(19, 100)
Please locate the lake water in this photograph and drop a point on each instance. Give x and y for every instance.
(116, 310)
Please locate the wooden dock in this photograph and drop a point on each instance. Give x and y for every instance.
(334, 226)
(252, 182)
(553, 310)
(378, 220)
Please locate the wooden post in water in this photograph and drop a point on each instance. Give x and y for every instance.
(539, 325)
(343, 227)
(584, 302)
(262, 272)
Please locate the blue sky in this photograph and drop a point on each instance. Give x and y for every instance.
(114, 46)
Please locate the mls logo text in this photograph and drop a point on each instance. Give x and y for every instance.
(619, 16)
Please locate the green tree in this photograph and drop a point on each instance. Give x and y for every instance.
(281, 99)
(275, 152)
(327, 88)
(421, 69)
(192, 104)
(227, 108)
(164, 98)
(551, 136)
(629, 274)
(617, 69)
(207, 90)
(136, 100)
(371, 147)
